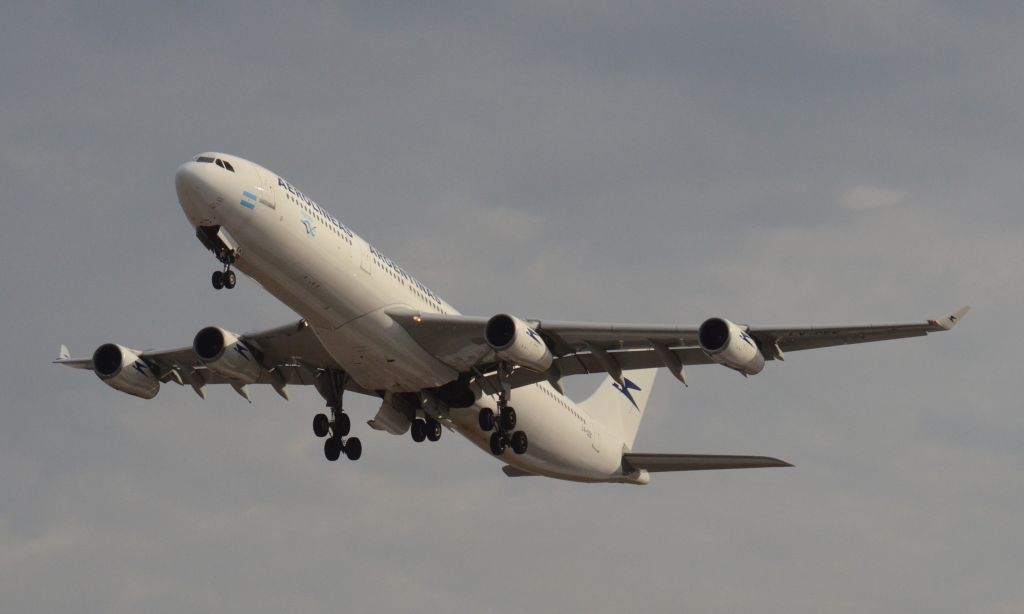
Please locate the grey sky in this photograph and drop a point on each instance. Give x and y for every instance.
(774, 163)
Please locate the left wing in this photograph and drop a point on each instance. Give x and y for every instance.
(289, 354)
(582, 347)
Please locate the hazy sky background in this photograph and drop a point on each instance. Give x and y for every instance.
(791, 162)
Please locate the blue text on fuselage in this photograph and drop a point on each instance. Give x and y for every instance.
(401, 272)
(313, 205)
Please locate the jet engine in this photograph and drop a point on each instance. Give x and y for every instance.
(514, 341)
(730, 345)
(224, 354)
(123, 369)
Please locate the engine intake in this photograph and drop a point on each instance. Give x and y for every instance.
(514, 341)
(730, 345)
(122, 369)
(226, 355)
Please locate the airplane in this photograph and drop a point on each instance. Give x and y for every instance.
(369, 327)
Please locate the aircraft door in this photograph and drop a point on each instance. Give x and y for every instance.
(265, 188)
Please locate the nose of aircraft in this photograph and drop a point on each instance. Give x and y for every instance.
(195, 183)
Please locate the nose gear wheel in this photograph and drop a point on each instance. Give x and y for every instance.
(226, 277)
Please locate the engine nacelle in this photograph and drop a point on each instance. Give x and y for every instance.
(514, 341)
(122, 369)
(729, 345)
(223, 353)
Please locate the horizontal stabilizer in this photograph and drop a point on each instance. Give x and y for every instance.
(697, 462)
(515, 472)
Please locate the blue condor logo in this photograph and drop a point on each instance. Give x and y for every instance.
(625, 390)
(533, 335)
(310, 228)
(744, 336)
(281, 183)
(242, 351)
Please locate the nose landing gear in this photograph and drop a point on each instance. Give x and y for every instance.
(225, 278)
(210, 237)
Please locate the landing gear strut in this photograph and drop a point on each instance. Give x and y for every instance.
(504, 423)
(332, 384)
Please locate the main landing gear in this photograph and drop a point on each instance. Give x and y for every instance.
(337, 427)
(425, 429)
(504, 422)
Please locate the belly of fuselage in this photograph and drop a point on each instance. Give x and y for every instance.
(340, 301)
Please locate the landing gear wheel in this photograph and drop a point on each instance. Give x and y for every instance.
(353, 448)
(342, 425)
(498, 444)
(321, 425)
(433, 430)
(332, 448)
(229, 279)
(519, 442)
(486, 420)
(419, 430)
(218, 280)
(508, 419)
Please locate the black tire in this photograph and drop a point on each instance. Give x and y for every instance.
(433, 430)
(229, 279)
(321, 425)
(342, 425)
(419, 430)
(218, 280)
(332, 448)
(508, 419)
(486, 420)
(498, 444)
(353, 448)
(519, 442)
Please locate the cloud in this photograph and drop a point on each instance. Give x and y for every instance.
(864, 198)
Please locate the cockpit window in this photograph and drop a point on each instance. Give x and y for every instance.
(224, 164)
(204, 159)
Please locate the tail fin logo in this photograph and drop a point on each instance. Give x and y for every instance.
(625, 390)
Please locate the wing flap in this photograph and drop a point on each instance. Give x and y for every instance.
(696, 462)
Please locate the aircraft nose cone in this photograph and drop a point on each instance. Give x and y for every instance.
(189, 177)
(196, 192)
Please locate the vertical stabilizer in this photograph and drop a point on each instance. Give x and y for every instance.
(621, 408)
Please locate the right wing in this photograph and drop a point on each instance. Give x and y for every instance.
(585, 347)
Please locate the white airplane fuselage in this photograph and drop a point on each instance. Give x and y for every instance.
(343, 287)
